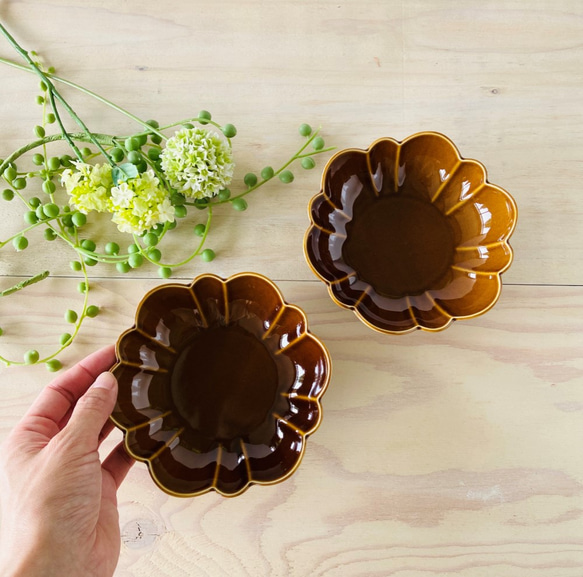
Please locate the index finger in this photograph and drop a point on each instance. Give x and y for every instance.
(59, 396)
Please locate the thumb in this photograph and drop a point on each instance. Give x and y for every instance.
(92, 411)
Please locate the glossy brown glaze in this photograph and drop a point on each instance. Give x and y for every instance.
(219, 385)
(411, 238)
(409, 234)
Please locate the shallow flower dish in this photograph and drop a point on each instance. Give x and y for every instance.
(410, 234)
(219, 385)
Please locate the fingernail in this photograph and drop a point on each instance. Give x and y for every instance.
(104, 381)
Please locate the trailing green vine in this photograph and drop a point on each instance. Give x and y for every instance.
(147, 181)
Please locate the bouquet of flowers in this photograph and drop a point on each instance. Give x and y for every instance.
(146, 181)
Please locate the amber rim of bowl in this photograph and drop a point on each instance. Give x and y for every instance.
(147, 460)
(460, 158)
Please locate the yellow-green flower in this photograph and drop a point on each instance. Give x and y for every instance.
(88, 186)
(197, 162)
(140, 203)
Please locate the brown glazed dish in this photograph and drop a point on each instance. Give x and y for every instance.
(409, 234)
(219, 385)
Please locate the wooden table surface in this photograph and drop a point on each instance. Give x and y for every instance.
(455, 453)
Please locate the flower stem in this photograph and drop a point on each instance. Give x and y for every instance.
(54, 93)
(91, 94)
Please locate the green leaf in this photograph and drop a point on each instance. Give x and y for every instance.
(124, 172)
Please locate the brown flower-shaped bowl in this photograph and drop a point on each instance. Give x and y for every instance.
(410, 234)
(219, 385)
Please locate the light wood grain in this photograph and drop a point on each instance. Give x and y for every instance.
(455, 453)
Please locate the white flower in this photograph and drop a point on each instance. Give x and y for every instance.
(197, 162)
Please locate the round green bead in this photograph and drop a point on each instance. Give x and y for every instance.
(54, 365)
(172, 225)
(7, 194)
(66, 161)
(133, 248)
(30, 217)
(156, 138)
(305, 129)
(31, 357)
(40, 213)
(52, 210)
(111, 248)
(154, 153)
(165, 272)
(40, 100)
(92, 311)
(68, 220)
(49, 234)
(199, 229)
(75, 265)
(267, 173)
(89, 261)
(54, 163)
(51, 118)
(135, 260)
(132, 143)
(224, 194)
(88, 244)
(39, 131)
(49, 187)
(19, 183)
(250, 179)
(38, 159)
(10, 173)
(141, 138)
(188, 125)
(180, 211)
(151, 239)
(71, 316)
(134, 157)
(65, 338)
(286, 176)
(122, 267)
(86, 151)
(204, 116)
(153, 123)
(318, 143)
(154, 254)
(117, 154)
(207, 255)
(239, 204)
(79, 219)
(308, 163)
(82, 287)
(229, 131)
(34, 201)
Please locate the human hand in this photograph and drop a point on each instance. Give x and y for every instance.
(59, 504)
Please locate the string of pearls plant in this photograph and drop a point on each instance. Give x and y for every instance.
(146, 181)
